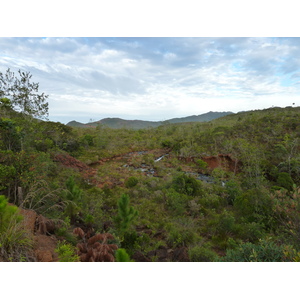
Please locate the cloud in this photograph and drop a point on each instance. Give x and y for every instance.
(154, 78)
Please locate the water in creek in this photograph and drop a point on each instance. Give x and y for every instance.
(205, 178)
(161, 157)
(151, 171)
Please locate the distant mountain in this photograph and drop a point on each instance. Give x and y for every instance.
(138, 124)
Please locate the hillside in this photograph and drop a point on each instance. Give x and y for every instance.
(227, 189)
(118, 123)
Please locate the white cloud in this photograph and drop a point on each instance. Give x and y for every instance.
(156, 79)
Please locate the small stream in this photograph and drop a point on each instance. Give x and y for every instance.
(151, 171)
(204, 177)
(160, 158)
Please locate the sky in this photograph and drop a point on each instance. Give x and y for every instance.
(154, 75)
(156, 78)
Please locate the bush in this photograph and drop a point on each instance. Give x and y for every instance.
(186, 185)
(122, 256)
(285, 180)
(233, 191)
(255, 205)
(202, 164)
(131, 182)
(166, 144)
(265, 251)
(182, 233)
(73, 197)
(15, 243)
(176, 202)
(66, 252)
(251, 232)
(201, 254)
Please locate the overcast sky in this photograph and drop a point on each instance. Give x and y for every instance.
(156, 78)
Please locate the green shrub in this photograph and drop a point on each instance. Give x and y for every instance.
(73, 196)
(182, 233)
(122, 256)
(129, 241)
(265, 251)
(43, 145)
(285, 180)
(233, 191)
(166, 144)
(7, 174)
(176, 202)
(186, 185)
(66, 252)
(255, 205)
(251, 232)
(201, 254)
(226, 224)
(66, 232)
(15, 242)
(126, 214)
(202, 164)
(131, 182)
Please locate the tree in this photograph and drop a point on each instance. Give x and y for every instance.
(10, 135)
(23, 94)
(73, 195)
(126, 214)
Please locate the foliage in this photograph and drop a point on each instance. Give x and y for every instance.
(265, 251)
(95, 248)
(287, 212)
(7, 174)
(42, 198)
(284, 180)
(233, 191)
(182, 233)
(66, 252)
(202, 164)
(65, 231)
(126, 214)
(80, 176)
(15, 244)
(185, 184)
(255, 205)
(176, 202)
(201, 254)
(23, 93)
(73, 197)
(10, 134)
(131, 182)
(122, 256)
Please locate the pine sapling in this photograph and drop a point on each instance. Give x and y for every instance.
(126, 214)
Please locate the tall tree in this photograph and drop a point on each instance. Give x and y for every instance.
(23, 94)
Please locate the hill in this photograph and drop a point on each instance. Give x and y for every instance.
(221, 190)
(118, 123)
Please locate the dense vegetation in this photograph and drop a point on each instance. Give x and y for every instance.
(112, 199)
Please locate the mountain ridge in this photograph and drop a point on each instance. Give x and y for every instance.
(118, 123)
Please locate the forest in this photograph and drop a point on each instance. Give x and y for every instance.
(226, 190)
